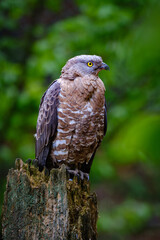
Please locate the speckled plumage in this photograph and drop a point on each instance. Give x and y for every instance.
(72, 116)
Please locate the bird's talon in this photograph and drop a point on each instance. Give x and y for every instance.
(81, 175)
(72, 173)
(84, 175)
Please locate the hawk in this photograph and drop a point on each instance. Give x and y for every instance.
(72, 119)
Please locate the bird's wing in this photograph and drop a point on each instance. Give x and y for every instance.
(105, 118)
(47, 122)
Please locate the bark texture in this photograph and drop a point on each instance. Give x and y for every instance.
(37, 206)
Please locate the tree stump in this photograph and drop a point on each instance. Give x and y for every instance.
(37, 206)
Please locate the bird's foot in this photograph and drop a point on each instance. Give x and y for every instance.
(77, 173)
(72, 174)
(84, 175)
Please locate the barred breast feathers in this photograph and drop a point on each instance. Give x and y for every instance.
(76, 123)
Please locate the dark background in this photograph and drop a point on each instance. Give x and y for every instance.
(36, 39)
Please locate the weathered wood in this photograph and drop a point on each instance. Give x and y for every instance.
(40, 207)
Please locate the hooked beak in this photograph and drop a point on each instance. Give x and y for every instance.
(104, 66)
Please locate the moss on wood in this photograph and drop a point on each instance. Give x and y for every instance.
(37, 206)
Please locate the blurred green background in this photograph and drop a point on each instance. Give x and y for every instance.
(36, 39)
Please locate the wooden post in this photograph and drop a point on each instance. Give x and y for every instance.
(37, 206)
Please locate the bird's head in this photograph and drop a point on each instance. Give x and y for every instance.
(83, 65)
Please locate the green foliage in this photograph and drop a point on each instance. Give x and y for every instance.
(127, 218)
(37, 38)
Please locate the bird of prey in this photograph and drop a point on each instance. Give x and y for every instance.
(72, 119)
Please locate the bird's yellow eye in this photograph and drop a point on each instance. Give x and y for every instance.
(90, 64)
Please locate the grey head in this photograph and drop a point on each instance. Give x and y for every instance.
(83, 65)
